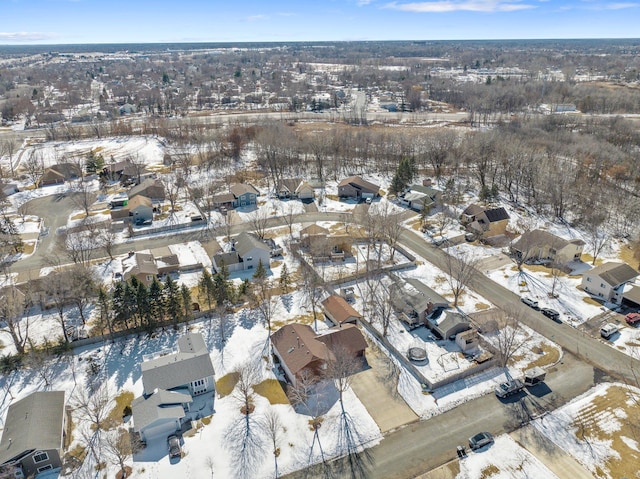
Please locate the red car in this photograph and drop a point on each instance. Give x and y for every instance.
(632, 318)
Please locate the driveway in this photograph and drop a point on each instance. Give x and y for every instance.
(377, 393)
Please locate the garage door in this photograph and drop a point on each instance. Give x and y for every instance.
(160, 431)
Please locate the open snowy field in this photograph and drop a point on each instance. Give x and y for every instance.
(599, 429)
(146, 149)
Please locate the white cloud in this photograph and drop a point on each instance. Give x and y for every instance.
(620, 5)
(25, 36)
(256, 18)
(362, 3)
(442, 6)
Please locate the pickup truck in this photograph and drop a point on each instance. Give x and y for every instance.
(632, 318)
(508, 388)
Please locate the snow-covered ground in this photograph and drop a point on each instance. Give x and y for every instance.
(599, 429)
(504, 459)
(210, 450)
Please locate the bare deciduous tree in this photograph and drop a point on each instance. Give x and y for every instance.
(461, 269)
(510, 336)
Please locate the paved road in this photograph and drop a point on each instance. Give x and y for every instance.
(420, 447)
(571, 339)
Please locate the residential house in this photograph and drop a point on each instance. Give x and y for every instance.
(295, 188)
(170, 380)
(249, 250)
(58, 174)
(357, 188)
(142, 266)
(150, 188)
(449, 324)
(607, 281)
(323, 246)
(138, 210)
(540, 245)
(337, 310)
(188, 366)
(34, 434)
(147, 266)
(160, 414)
(244, 194)
(303, 352)
(490, 223)
(419, 197)
(470, 213)
(125, 172)
(414, 301)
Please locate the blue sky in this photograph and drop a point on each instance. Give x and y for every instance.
(118, 21)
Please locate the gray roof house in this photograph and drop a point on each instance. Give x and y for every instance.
(159, 414)
(608, 280)
(186, 367)
(170, 380)
(33, 436)
(449, 324)
(151, 188)
(248, 251)
(414, 301)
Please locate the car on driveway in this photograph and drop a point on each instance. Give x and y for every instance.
(530, 302)
(480, 440)
(174, 447)
(632, 319)
(551, 314)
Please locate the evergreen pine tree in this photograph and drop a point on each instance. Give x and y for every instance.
(156, 305)
(185, 294)
(284, 279)
(206, 288)
(172, 303)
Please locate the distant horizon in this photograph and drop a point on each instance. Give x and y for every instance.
(282, 42)
(99, 22)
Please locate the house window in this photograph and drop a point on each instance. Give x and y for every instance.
(40, 456)
(45, 468)
(249, 258)
(588, 279)
(149, 277)
(602, 285)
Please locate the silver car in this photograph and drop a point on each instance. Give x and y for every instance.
(480, 440)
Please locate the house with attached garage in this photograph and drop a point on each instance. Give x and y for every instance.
(244, 194)
(608, 280)
(540, 245)
(248, 251)
(58, 174)
(303, 353)
(151, 188)
(413, 301)
(34, 435)
(357, 188)
(421, 198)
(294, 188)
(171, 379)
(138, 210)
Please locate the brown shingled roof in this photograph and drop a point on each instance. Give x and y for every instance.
(339, 309)
(298, 346)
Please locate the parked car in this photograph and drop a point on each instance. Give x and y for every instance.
(480, 440)
(608, 330)
(530, 302)
(508, 388)
(551, 314)
(174, 446)
(632, 319)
